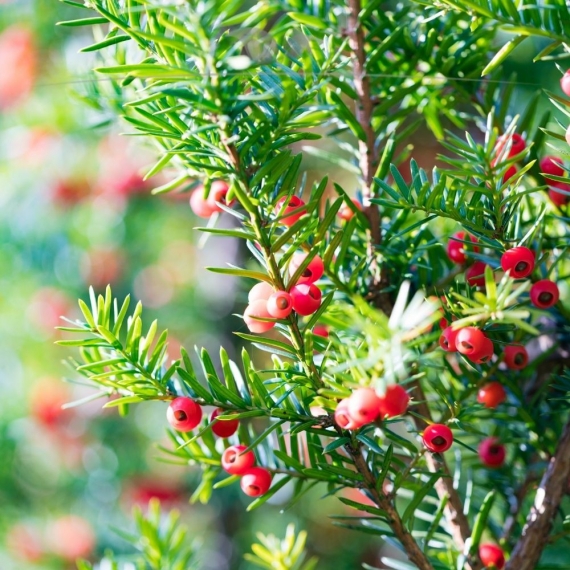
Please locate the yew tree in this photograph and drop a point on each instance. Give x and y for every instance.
(406, 333)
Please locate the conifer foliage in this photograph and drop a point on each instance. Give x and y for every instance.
(399, 313)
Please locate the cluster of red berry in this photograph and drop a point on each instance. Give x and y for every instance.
(184, 414)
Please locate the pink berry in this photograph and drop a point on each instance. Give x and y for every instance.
(447, 340)
(256, 482)
(516, 356)
(218, 192)
(456, 249)
(491, 452)
(280, 305)
(364, 405)
(235, 461)
(306, 299)
(565, 83)
(552, 165)
(223, 428)
(200, 205)
(184, 414)
(437, 438)
(485, 352)
(394, 402)
(286, 205)
(346, 213)
(491, 395)
(470, 340)
(260, 291)
(544, 294)
(475, 275)
(342, 417)
(492, 556)
(321, 330)
(254, 311)
(518, 261)
(313, 272)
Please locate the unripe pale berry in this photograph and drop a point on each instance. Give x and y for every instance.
(256, 482)
(313, 272)
(306, 298)
(184, 414)
(492, 556)
(346, 213)
(223, 428)
(485, 352)
(235, 461)
(544, 294)
(437, 438)
(565, 83)
(470, 340)
(364, 406)
(491, 395)
(475, 275)
(200, 205)
(260, 291)
(286, 205)
(280, 305)
(253, 312)
(556, 193)
(456, 249)
(394, 402)
(448, 338)
(516, 356)
(518, 261)
(552, 165)
(342, 417)
(517, 146)
(491, 452)
(218, 192)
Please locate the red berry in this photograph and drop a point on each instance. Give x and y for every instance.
(306, 298)
(438, 438)
(342, 417)
(345, 212)
(517, 144)
(484, 354)
(286, 205)
(456, 249)
(394, 402)
(235, 461)
(321, 330)
(256, 482)
(260, 291)
(223, 428)
(255, 310)
(280, 305)
(556, 193)
(364, 406)
(491, 395)
(470, 341)
(492, 556)
(510, 172)
(184, 414)
(313, 272)
(218, 192)
(475, 275)
(518, 261)
(544, 294)
(447, 339)
(516, 356)
(200, 205)
(565, 83)
(552, 165)
(491, 452)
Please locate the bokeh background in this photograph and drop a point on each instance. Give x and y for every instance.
(75, 212)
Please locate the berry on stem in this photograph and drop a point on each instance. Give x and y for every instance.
(235, 461)
(491, 452)
(516, 356)
(456, 247)
(517, 144)
(364, 406)
(565, 83)
(475, 275)
(280, 305)
(223, 428)
(552, 165)
(544, 294)
(491, 395)
(200, 205)
(184, 414)
(394, 402)
(470, 341)
(260, 291)
(256, 482)
(313, 272)
(448, 338)
(342, 417)
(556, 193)
(218, 192)
(437, 438)
(346, 213)
(255, 310)
(484, 354)
(492, 556)
(306, 298)
(321, 330)
(285, 206)
(518, 261)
